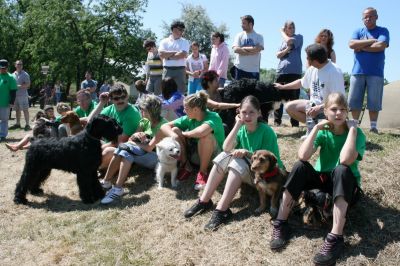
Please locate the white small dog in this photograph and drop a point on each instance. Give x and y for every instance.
(168, 152)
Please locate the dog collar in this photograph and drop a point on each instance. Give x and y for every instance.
(269, 174)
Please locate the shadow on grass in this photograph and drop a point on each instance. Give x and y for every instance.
(376, 225)
(57, 203)
(370, 146)
(292, 135)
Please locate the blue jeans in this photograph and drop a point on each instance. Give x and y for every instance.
(194, 86)
(221, 82)
(374, 87)
(4, 112)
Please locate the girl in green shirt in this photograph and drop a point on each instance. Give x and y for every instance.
(248, 135)
(342, 146)
(131, 151)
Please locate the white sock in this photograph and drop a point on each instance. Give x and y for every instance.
(373, 124)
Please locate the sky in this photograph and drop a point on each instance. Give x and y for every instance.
(310, 16)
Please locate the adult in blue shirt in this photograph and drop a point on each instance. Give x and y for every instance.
(90, 85)
(369, 44)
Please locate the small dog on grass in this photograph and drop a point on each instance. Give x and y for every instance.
(316, 207)
(72, 119)
(268, 179)
(168, 152)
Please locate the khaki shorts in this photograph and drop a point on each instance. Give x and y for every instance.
(21, 103)
(225, 162)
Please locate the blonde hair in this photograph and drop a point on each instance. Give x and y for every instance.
(152, 104)
(336, 98)
(198, 99)
(62, 107)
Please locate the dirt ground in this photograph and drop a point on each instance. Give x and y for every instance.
(146, 227)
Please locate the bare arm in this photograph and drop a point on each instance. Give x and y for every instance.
(165, 54)
(360, 44)
(349, 154)
(221, 106)
(289, 86)
(198, 132)
(375, 47)
(307, 147)
(283, 52)
(103, 99)
(230, 141)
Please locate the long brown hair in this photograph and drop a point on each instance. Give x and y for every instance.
(329, 43)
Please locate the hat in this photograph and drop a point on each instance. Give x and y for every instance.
(3, 63)
(47, 107)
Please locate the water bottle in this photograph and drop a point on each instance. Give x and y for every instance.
(310, 123)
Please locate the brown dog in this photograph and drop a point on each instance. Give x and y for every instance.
(72, 119)
(269, 180)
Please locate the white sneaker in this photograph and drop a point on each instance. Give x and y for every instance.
(105, 184)
(199, 186)
(113, 194)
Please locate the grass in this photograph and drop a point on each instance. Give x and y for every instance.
(147, 226)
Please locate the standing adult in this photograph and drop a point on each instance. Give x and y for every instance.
(105, 87)
(219, 58)
(247, 46)
(325, 38)
(90, 85)
(369, 44)
(57, 89)
(154, 67)
(8, 88)
(322, 78)
(173, 51)
(22, 97)
(289, 67)
(196, 64)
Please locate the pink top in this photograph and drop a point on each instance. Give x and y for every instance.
(219, 59)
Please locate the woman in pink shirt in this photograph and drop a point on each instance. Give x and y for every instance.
(219, 57)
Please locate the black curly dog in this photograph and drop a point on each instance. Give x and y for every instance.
(80, 154)
(269, 97)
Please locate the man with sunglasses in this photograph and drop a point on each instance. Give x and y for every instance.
(173, 51)
(126, 115)
(154, 67)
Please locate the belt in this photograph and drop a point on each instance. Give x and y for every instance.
(174, 67)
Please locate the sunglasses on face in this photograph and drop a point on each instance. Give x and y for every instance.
(117, 98)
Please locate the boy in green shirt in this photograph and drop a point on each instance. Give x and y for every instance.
(8, 89)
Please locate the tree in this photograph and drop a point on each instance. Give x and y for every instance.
(198, 27)
(267, 75)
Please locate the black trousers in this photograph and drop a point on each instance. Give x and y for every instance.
(287, 95)
(339, 182)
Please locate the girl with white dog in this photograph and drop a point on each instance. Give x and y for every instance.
(342, 146)
(131, 152)
(248, 135)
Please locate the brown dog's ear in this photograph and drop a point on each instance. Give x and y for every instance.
(272, 161)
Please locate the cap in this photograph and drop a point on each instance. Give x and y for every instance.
(47, 107)
(3, 63)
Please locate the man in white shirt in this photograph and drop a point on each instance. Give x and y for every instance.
(247, 46)
(173, 50)
(322, 78)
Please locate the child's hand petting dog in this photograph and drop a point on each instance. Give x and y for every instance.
(139, 137)
(240, 153)
(325, 124)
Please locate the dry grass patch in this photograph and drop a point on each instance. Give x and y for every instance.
(147, 226)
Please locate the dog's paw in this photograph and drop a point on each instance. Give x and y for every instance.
(273, 212)
(19, 200)
(175, 184)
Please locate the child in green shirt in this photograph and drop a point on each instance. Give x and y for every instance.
(342, 146)
(248, 135)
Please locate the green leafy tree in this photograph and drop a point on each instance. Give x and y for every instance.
(198, 27)
(268, 75)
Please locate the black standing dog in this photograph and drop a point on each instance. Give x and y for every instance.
(268, 95)
(80, 154)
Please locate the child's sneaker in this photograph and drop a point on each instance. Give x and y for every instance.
(197, 208)
(183, 174)
(105, 184)
(217, 219)
(113, 194)
(201, 181)
(330, 251)
(280, 234)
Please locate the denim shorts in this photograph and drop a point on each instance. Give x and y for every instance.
(143, 158)
(374, 87)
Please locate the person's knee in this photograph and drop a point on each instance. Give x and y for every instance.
(108, 151)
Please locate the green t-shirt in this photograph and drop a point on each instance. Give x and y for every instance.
(128, 118)
(82, 113)
(7, 84)
(331, 145)
(145, 126)
(210, 118)
(263, 138)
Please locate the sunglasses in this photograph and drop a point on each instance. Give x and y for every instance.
(117, 98)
